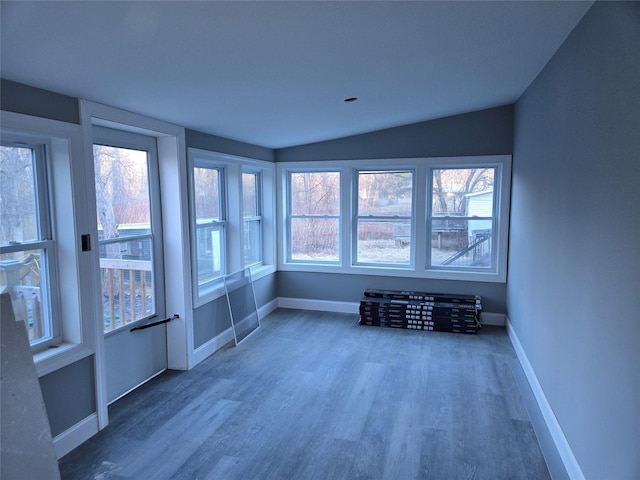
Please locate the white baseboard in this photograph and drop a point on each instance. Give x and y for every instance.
(319, 305)
(207, 349)
(551, 422)
(216, 343)
(76, 435)
(267, 308)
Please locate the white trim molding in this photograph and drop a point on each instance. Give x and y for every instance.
(551, 422)
(320, 305)
(210, 347)
(75, 435)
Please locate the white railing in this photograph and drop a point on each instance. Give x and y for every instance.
(122, 279)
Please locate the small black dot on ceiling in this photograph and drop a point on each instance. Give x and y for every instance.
(351, 99)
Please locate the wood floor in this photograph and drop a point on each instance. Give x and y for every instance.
(316, 396)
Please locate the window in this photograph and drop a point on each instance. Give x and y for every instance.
(444, 218)
(314, 216)
(384, 218)
(209, 221)
(129, 230)
(28, 265)
(252, 218)
(462, 218)
(232, 209)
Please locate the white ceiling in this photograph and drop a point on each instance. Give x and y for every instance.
(276, 73)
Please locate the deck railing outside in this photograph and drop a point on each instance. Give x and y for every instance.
(127, 291)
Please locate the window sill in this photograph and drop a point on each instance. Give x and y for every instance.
(261, 271)
(218, 290)
(59, 356)
(408, 272)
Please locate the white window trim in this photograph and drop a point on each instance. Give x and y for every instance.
(214, 288)
(66, 171)
(287, 254)
(422, 167)
(258, 206)
(46, 240)
(356, 218)
(233, 167)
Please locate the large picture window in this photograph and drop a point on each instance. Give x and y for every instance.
(314, 216)
(444, 218)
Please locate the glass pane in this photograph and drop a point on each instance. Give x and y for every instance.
(17, 196)
(315, 239)
(208, 251)
(463, 191)
(21, 276)
(384, 242)
(206, 184)
(124, 210)
(385, 193)
(126, 272)
(315, 193)
(461, 243)
(249, 195)
(252, 247)
(122, 191)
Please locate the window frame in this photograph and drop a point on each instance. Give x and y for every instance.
(257, 218)
(421, 231)
(357, 218)
(67, 180)
(211, 288)
(290, 216)
(46, 238)
(234, 166)
(499, 219)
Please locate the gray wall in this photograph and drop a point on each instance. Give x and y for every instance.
(349, 288)
(485, 132)
(19, 98)
(69, 394)
(214, 143)
(574, 265)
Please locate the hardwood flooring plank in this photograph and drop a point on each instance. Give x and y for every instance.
(402, 459)
(314, 395)
(353, 409)
(176, 440)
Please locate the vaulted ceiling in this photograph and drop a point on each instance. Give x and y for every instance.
(277, 74)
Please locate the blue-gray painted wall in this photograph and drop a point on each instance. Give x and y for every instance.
(215, 143)
(485, 132)
(574, 263)
(69, 394)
